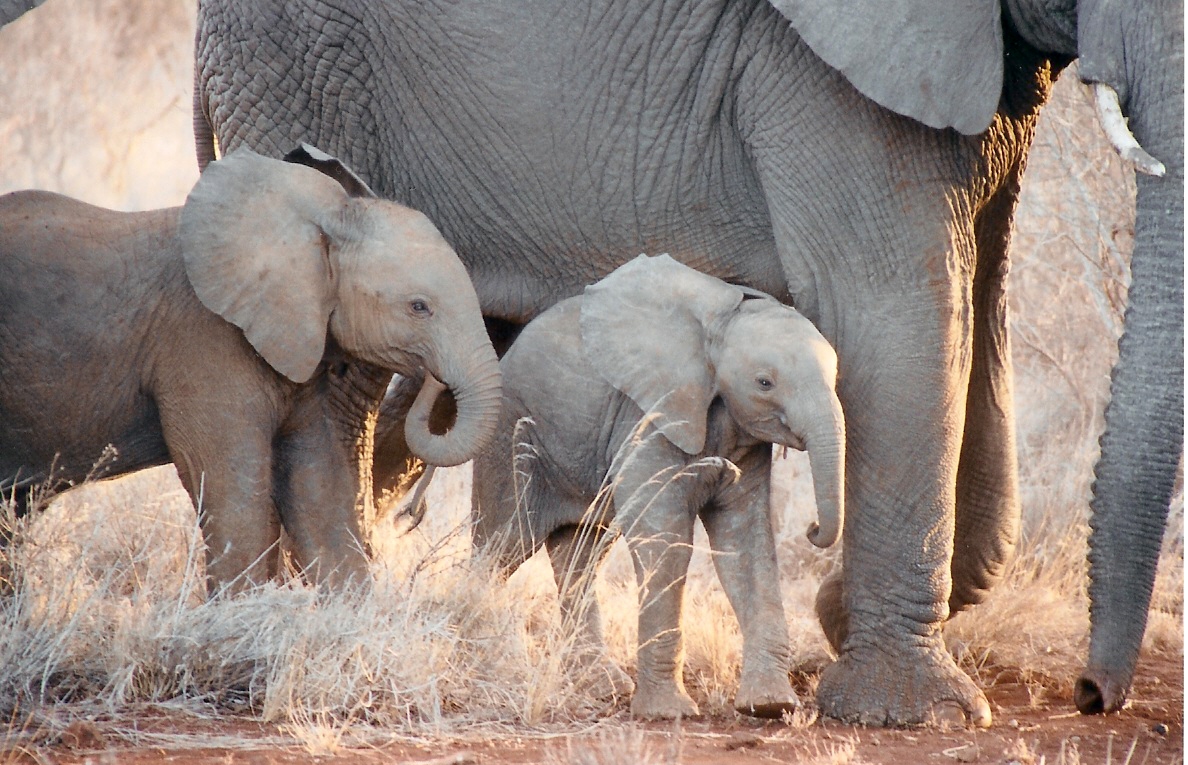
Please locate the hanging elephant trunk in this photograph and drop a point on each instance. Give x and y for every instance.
(825, 441)
(1143, 440)
(476, 391)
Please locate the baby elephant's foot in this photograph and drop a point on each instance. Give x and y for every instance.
(767, 696)
(606, 681)
(662, 703)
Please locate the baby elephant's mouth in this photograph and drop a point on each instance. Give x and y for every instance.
(774, 429)
(794, 442)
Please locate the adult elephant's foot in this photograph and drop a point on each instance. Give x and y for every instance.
(664, 702)
(916, 685)
(766, 696)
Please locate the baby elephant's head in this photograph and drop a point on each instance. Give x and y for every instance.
(295, 252)
(673, 339)
(777, 376)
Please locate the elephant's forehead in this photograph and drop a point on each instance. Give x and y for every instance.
(780, 336)
(394, 220)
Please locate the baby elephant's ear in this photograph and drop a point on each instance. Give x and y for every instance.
(254, 236)
(644, 328)
(332, 166)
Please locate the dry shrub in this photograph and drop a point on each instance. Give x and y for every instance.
(101, 616)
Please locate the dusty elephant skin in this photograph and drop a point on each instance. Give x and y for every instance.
(248, 337)
(554, 141)
(656, 386)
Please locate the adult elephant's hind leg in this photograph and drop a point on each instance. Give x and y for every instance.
(987, 521)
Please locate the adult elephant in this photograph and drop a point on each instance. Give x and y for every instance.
(860, 160)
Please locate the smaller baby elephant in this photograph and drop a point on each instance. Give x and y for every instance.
(247, 337)
(664, 389)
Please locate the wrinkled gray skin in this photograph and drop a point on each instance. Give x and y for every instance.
(247, 337)
(1144, 436)
(718, 376)
(799, 148)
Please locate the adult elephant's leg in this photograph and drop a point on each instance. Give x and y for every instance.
(395, 466)
(988, 511)
(893, 294)
(739, 529)
(902, 382)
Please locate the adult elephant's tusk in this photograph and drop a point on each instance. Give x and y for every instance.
(1109, 115)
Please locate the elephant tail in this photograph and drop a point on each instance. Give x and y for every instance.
(204, 140)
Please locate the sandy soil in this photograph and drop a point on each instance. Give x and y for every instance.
(1031, 726)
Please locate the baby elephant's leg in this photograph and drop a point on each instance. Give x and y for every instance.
(227, 470)
(739, 530)
(657, 522)
(576, 553)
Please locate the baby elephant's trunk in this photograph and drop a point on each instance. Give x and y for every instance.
(477, 393)
(825, 440)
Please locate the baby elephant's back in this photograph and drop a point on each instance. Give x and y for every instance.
(548, 377)
(59, 252)
(75, 283)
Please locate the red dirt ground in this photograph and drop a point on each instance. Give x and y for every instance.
(1026, 732)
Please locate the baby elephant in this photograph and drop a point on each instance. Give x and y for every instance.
(248, 338)
(663, 389)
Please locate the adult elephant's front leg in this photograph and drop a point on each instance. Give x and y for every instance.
(394, 465)
(905, 360)
(882, 260)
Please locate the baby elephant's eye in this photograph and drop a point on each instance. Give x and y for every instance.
(420, 307)
(764, 383)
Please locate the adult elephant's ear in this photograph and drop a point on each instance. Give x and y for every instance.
(256, 236)
(328, 164)
(937, 61)
(644, 328)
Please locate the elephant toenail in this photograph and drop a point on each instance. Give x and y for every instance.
(950, 714)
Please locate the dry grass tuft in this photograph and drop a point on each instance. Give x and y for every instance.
(617, 745)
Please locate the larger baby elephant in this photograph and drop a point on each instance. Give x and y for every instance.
(244, 337)
(666, 388)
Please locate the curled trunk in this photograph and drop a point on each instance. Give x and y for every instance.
(477, 394)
